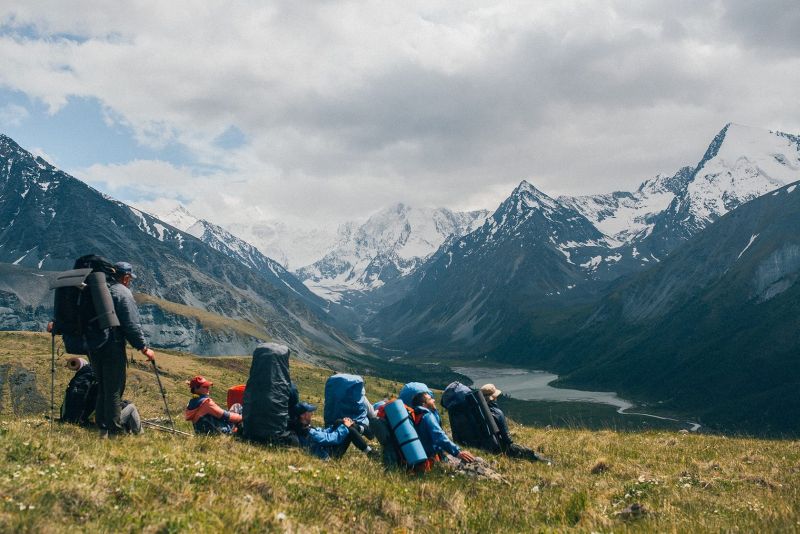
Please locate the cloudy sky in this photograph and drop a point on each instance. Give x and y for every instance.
(319, 111)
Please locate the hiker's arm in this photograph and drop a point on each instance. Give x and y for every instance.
(439, 438)
(128, 315)
(216, 411)
(329, 437)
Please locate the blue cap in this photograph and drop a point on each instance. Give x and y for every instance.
(123, 267)
(303, 407)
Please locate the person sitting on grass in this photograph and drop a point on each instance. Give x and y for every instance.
(429, 428)
(331, 442)
(507, 445)
(205, 414)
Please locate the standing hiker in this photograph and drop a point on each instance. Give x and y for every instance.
(109, 359)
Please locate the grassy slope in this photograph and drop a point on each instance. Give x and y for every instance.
(158, 482)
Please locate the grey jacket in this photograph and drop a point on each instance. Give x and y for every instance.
(130, 327)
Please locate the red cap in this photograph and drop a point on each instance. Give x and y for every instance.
(199, 382)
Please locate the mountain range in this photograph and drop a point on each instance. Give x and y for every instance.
(682, 292)
(49, 218)
(540, 253)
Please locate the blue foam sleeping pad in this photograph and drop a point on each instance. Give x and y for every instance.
(404, 432)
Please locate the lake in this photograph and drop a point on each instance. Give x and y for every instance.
(525, 384)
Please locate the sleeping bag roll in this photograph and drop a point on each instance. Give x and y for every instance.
(405, 433)
(487, 415)
(101, 299)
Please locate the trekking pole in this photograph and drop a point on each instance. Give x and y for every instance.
(163, 428)
(52, 378)
(163, 394)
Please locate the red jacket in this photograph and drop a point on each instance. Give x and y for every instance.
(201, 405)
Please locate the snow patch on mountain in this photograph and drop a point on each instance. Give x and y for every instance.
(752, 238)
(624, 216)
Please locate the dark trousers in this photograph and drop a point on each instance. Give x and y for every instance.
(110, 366)
(354, 436)
(518, 451)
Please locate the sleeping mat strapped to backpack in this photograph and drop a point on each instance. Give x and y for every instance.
(344, 397)
(266, 395)
(83, 311)
(402, 428)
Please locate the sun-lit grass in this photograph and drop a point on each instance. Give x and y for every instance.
(69, 480)
(210, 321)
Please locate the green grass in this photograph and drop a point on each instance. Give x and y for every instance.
(210, 321)
(68, 480)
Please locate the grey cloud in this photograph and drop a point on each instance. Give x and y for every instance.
(773, 25)
(343, 112)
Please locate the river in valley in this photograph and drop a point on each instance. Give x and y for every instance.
(525, 384)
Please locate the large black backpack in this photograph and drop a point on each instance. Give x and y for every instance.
(470, 420)
(85, 313)
(265, 410)
(80, 398)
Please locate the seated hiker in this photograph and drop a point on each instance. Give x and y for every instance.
(328, 442)
(507, 445)
(429, 425)
(206, 416)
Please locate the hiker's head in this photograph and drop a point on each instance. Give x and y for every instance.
(199, 384)
(425, 400)
(490, 391)
(304, 410)
(124, 273)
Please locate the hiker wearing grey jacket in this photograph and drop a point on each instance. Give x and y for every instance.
(109, 360)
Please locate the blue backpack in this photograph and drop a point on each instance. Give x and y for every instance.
(344, 397)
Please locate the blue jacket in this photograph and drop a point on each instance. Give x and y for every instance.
(431, 435)
(320, 441)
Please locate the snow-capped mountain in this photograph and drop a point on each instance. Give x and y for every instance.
(48, 218)
(629, 217)
(532, 252)
(537, 251)
(223, 241)
(710, 330)
(740, 164)
(290, 246)
(389, 245)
